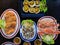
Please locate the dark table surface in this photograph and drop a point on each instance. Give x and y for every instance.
(53, 10)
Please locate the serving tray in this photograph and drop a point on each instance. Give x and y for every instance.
(15, 4)
(28, 15)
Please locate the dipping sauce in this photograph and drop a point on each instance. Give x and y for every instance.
(26, 43)
(17, 40)
(37, 42)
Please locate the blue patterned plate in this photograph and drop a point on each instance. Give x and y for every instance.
(33, 37)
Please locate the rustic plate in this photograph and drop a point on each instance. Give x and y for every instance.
(31, 39)
(16, 27)
(8, 43)
(48, 17)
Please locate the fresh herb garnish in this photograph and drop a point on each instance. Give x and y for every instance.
(27, 23)
(43, 6)
(2, 23)
(48, 39)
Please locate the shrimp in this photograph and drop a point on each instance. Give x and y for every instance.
(49, 31)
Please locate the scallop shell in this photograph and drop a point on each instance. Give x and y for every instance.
(38, 4)
(25, 6)
(32, 5)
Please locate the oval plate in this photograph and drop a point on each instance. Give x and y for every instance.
(17, 24)
(33, 38)
(55, 36)
(8, 43)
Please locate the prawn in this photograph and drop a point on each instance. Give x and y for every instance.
(49, 31)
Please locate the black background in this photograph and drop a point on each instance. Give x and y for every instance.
(53, 10)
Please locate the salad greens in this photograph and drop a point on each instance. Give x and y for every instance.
(43, 6)
(2, 23)
(27, 23)
(44, 1)
(48, 39)
(30, 21)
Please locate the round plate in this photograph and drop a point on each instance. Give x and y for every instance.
(17, 25)
(19, 40)
(8, 43)
(55, 36)
(33, 38)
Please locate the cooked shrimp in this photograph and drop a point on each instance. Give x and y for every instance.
(49, 31)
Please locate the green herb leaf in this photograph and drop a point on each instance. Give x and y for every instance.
(43, 7)
(48, 39)
(2, 23)
(27, 23)
(44, 1)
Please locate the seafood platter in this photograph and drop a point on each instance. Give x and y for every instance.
(32, 8)
(31, 27)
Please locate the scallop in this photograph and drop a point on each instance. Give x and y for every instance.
(26, 8)
(37, 10)
(12, 23)
(37, 3)
(32, 3)
(31, 10)
(26, 2)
